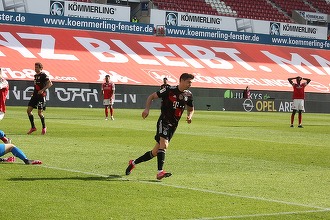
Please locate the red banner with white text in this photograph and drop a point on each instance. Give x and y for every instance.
(87, 56)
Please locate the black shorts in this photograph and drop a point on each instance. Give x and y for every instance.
(164, 130)
(38, 102)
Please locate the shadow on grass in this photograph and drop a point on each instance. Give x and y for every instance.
(78, 119)
(150, 181)
(88, 178)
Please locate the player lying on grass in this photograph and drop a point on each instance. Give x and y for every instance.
(7, 147)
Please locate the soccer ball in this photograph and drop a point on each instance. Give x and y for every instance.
(223, 109)
(90, 106)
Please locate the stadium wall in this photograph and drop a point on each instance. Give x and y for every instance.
(81, 95)
(135, 59)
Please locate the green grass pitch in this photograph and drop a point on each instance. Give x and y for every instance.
(225, 165)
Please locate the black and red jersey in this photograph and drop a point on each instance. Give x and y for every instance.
(173, 103)
(40, 81)
(164, 85)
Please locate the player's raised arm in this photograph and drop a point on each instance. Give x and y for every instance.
(290, 80)
(307, 80)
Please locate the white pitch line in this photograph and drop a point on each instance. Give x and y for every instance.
(74, 171)
(321, 209)
(239, 196)
(258, 215)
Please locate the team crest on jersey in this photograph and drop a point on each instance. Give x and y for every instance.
(181, 97)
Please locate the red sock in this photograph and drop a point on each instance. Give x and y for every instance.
(111, 111)
(292, 118)
(300, 118)
(106, 112)
(4, 139)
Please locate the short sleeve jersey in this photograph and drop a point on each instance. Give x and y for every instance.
(40, 81)
(299, 91)
(108, 90)
(173, 103)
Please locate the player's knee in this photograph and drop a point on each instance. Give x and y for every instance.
(9, 146)
(154, 153)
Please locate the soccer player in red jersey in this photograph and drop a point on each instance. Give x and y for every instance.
(247, 93)
(38, 99)
(108, 91)
(298, 98)
(4, 88)
(174, 101)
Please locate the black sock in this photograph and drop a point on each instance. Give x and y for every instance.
(160, 159)
(147, 156)
(31, 118)
(43, 122)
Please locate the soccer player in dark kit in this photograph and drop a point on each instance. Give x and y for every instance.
(165, 83)
(38, 99)
(174, 101)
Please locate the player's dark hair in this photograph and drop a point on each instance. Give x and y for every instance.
(185, 76)
(39, 65)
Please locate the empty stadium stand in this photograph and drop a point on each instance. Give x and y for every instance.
(234, 8)
(192, 6)
(289, 6)
(263, 10)
(273, 10)
(322, 5)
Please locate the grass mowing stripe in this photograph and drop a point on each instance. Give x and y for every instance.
(194, 189)
(247, 154)
(260, 215)
(241, 196)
